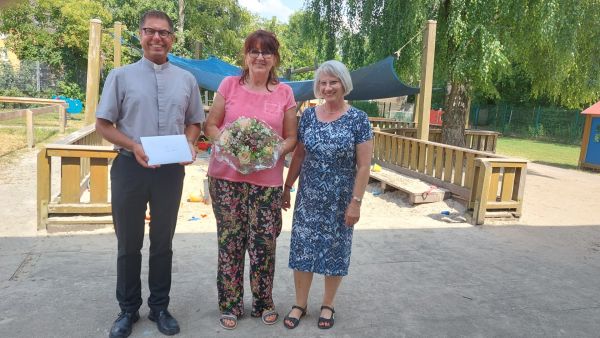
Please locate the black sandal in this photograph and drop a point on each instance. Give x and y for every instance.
(295, 321)
(323, 321)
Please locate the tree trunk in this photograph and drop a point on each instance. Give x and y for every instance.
(198, 50)
(181, 20)
(453, 126)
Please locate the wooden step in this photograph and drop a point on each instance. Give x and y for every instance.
(78, 223)
(417, 190)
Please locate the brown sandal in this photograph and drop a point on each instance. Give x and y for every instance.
(323, 320)
(295, 321)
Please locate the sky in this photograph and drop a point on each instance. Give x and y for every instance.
(282, 9)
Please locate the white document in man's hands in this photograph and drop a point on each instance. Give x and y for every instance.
(166, 149)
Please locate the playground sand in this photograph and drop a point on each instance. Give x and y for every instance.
(380, 210)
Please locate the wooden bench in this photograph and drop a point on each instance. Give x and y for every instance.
(417, 190)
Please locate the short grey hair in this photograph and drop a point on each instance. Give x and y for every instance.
(333, 68)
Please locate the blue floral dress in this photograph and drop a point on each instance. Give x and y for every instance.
(321, 242)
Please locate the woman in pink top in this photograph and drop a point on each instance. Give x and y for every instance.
(248, 207)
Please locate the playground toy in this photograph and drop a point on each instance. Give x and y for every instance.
(589, 156)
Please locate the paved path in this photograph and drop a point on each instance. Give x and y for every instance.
(504, 281)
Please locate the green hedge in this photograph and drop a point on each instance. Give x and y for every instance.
(367, 106)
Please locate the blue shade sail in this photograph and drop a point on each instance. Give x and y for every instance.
(375, 81)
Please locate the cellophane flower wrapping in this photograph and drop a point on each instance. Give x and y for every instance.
(248, 145)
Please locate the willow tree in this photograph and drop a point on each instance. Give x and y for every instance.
(553, 42)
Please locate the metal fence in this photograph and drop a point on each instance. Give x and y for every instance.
(534, 122)
(28, 78)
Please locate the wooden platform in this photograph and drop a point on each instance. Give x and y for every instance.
(78, 223)
(417, 190)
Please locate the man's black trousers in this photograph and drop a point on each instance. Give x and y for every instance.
(132, 188)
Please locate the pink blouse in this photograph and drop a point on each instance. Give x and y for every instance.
(268, 107)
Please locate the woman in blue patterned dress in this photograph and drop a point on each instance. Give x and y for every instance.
(332, 158)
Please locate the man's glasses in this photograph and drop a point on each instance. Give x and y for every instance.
(254, 53)
(163, 33)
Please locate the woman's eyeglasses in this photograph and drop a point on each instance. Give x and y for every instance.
(254, 53)
(163, 33)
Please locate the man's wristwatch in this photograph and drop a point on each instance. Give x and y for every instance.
(357, 199)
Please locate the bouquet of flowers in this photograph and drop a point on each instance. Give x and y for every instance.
(248, 145)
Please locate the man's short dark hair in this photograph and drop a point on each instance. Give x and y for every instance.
(157, 15)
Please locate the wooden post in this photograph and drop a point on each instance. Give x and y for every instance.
(118, 28)
(29, 123)
(93, 71)
(585, 139)
(468, 114)
(43, 188)
(62, 118)
(427, 58)
(416, 110)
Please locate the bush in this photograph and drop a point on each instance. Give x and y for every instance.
(536, 132)
(71, 90)
(368, 107)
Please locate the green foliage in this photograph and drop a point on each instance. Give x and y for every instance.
(52, 31)
(534, 122)
(495, 49)
(368, 107)
(71, 90)
(219, 25)
(536, 131)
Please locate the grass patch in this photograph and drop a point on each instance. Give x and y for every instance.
(13, 133)
(560, 155)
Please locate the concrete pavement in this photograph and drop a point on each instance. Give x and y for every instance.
(508, 281)
(490, 281)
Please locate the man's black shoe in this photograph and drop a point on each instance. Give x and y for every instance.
(164, 321)
(122, 326)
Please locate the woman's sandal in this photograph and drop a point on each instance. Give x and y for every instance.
(269, 313)
(322, 321)
(228, 316)
(294, 321)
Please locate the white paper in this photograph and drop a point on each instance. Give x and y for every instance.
(166, 149)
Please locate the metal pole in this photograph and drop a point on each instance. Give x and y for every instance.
(37, 77)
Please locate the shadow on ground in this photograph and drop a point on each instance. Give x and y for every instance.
(477, 281)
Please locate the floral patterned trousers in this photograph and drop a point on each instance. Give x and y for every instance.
(248, 218)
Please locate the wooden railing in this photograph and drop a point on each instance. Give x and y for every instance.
(61, 106)
(498, 185)
(55, 105)
(482, 140)
(83, 164)
(449, 167)
(385, 123)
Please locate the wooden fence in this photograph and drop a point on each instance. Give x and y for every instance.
(454, 168)
(482, 140)
(83, 164)
(55, 105)
(385, 123)
(487, 181)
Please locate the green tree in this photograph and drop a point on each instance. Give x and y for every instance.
(219, 26)
(479, 45)
(53, 31)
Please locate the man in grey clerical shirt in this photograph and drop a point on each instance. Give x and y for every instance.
(148, 98)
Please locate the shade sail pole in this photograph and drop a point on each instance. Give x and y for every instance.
(427, 58)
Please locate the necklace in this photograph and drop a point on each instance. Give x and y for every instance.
(338, 111)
